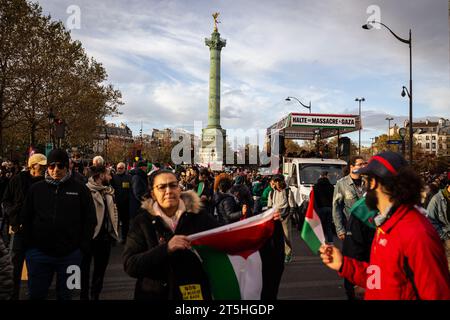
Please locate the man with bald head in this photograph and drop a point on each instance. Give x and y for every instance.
(121, 182)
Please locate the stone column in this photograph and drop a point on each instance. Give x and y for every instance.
(215, 44)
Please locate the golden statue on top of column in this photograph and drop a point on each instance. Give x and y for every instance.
(215, 15)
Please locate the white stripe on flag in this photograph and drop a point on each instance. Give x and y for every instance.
(316, 226)
(249, 275)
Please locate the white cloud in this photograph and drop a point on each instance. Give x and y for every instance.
(155, 54)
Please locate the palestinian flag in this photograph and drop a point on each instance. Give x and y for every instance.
(230, 256)
(360, 211)
(312, 231)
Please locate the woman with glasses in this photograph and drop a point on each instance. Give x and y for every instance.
(157, 249)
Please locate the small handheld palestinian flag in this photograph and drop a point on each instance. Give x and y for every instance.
(312, 231)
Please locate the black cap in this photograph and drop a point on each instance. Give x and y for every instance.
(384, 165)
(58, 155)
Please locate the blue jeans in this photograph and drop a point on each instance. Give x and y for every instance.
(41, 269)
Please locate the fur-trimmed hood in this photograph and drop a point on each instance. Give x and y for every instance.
(190, 198)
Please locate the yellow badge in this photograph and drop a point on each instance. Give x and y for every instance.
(191, 292)
(125, 185)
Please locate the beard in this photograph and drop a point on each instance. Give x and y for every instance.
(372, 200)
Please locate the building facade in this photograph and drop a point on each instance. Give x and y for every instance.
(432, 137)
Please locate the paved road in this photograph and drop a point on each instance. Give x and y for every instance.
(304, 278)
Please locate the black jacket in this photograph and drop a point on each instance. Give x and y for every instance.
(358, 239)
(58, 219)
(227, 209)
(160, 274)
(122, 188)
(6, 273)
(323, 193)
(15, 194)
(139, 189)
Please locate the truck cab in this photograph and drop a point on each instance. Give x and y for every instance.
(302, 173)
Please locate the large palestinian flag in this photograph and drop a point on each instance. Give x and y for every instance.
(312, 231)
(230, 256)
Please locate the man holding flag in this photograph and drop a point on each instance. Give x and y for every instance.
(407, 260)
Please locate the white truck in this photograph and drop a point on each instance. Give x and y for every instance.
(302, 173)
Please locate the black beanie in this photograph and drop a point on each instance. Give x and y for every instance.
(58, 155)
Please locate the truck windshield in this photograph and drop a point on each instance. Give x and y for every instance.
(310, 173)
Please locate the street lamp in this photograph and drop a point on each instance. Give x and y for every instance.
(106, 145)
(389, 127)
(369, 26)
(371, 145)
(51, 120)
(359, 100)
(307, 107)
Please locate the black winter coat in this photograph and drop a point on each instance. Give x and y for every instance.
(161, 275)
(14, 196)
(122, 188)
(227, 209)
(6, 273)
(358, 240)
(323, 193)
(58, 219)
(139, 189)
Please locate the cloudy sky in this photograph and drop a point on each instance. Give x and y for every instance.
(154, 52)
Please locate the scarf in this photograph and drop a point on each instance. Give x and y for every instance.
(54, 182)
(100, 188)
(171, 222)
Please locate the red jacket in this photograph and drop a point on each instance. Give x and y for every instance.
(406, 241)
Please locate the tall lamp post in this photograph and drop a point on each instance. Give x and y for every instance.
(106, 144)
(389, 119)
(51, 120)
(359, 100)
(408, 41)
(307, 107)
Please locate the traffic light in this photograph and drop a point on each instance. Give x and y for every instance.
(60, 129)
(344, 146)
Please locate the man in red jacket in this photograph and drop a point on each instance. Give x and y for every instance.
(407, 258)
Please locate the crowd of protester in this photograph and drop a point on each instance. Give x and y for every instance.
(59, 211)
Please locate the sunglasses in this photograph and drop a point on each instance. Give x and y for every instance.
(163, 187)
(53, 165)
(120, 168)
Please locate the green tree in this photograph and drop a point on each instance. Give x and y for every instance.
(43, 69)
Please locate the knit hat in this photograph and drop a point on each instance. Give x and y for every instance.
(58, 155)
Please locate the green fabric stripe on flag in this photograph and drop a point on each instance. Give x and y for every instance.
(223, 281)
(309, 236)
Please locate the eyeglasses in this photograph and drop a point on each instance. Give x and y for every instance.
(120, 168)
(360, 164)
(53, 165)
(163, 187)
